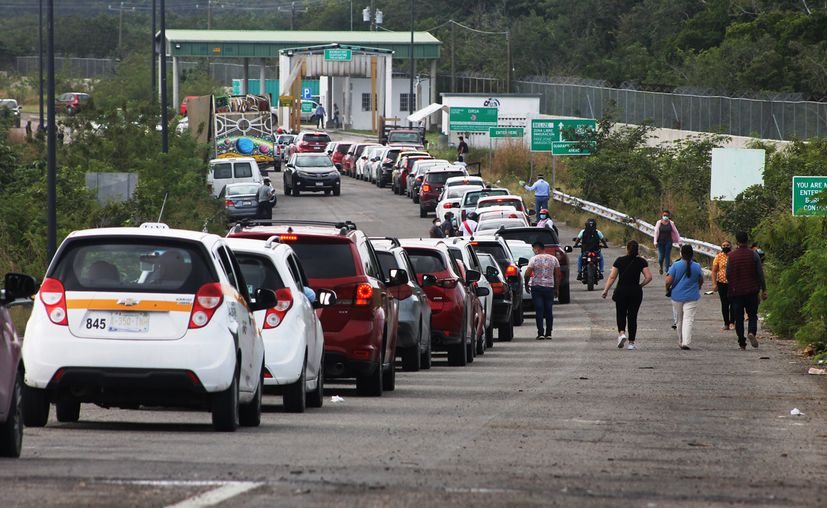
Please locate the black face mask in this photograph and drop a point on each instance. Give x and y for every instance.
(726, 249)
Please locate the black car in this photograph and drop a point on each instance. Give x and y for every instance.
(502, 302)
(311, 172)
(497, 247)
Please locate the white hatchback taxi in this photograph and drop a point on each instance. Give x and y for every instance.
(145, 316)
(292, 333)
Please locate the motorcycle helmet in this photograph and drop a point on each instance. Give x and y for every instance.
(591, 224)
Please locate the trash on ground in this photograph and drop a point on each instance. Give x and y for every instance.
(765, 358)
(796, 412)
(336, 399)
(817, 372)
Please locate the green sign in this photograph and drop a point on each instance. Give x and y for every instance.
(506, 132)
(462, 119)
(307, 107)
(806, 190)
(338, 55)
(559, 135)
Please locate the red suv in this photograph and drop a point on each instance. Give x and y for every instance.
(432, 186)
(360, 329)
(72, 102)
(310, 142)
(453, 316)
(339, 154)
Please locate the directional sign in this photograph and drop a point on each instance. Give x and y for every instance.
(338, 55)
(307, 107)
(506, 132)
(552, 135)
(307, 93)
(464, 119)
(806, 190)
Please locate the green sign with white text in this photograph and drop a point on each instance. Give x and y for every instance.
(338, 55)
(806, 193)
(506, 132)
(560, 136)
(462, 119)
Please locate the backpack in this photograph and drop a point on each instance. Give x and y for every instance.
(590, 241)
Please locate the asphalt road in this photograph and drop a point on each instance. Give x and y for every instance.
(569, 422)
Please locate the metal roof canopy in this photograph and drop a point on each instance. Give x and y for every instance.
(268, 43)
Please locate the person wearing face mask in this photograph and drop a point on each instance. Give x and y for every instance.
(436, 229)
(721, 284)
(544, 220)
(666, 235)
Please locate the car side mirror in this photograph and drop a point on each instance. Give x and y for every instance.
(325, 298)
(19, 285)
(397, 277)
(567, 248)
(264, 299)
(522, 262)
(491, 272)
(483, 291)
(472, 276)
(428, 280)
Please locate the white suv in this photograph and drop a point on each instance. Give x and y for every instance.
(147, 316)
(292, 333)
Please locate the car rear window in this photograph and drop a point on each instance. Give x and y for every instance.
(317, 138)
(498, 223)
(285, 140)
(472, 197)
(495, 249)
(516, 203)
(242, 190)
(133, 265)
(441, 176)
(426, 261)
(463, 182)
(243, 170)
(387, 261)
(342, 148)
(326, 260)
(222, 171)
(531, 235)
(403, 137)
(259, 272)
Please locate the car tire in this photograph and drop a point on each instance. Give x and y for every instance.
(67, 410)
(286, 188)
(564, 295)
(295, 395)
(422, 212)
(471, 350)
(316, 397)
(506, 332)
(425, 358)
(456, 355)
(489, 336)
(518, 316)
(389, 378)
(11, 431)
(337, 191)
(225, 408)
(370, 385)
(327, 192)
(481, 344)
(249, 414)
(411, 361)
(35, 407)
(415, 199)
(296, 191)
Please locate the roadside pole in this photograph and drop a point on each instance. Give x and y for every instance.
(553, 173)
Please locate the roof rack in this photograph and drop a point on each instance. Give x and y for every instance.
(244, 223)
(394, 241)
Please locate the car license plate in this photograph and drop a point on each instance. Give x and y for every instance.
(319, 184)
(246, 203)
(130, 322)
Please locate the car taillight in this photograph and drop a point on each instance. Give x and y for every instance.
(363, 295)
(426, 188)
(53, 296)
(512, 271)
(497, 288)
(447, 283)
(447, 205)
(275, 315)
(207, 300)
(229, 202)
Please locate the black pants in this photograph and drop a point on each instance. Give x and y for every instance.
(750, 304)
(627, 305)
(265, 210)
(726, 305)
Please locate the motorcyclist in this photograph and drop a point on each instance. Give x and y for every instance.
(545, 220)
(469, 225)
(590, 239)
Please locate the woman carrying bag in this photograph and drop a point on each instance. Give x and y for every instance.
(629, 293)
(683, 285)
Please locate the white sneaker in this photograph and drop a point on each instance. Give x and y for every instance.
(621, 340)
(631, 346)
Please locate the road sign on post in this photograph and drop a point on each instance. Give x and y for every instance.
(462, 119)
(506, 132)
(307, 94)
(806, 191)
(338, 55)
(555, 135)
(307, 107)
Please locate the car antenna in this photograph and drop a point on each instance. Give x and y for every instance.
(163, 205)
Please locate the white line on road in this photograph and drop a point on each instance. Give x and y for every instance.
(215, 496)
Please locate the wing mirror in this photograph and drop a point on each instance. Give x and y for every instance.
(472, 276)
(491, 272)
(325, 298)
(18, 285)
(483, 291)
(397, 277)
(428, 280)
(522, 262)
(567, 248)
(264, 299)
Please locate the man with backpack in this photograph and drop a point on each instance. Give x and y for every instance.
(590, 239)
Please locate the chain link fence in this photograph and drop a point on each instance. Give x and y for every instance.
(74, 67)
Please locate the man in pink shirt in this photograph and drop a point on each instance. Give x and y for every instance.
(542, 278)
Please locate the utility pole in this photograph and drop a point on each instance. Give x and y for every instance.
(51, 135)
(411, 100)
(508, 62)
(292, 10)
(453, 68)
(163, 48)
(154, 64)
(209, 14)
(372, 15)
(40, 63)
(351, 15)
(120, 29)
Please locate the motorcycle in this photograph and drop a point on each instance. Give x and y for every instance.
(590, 272)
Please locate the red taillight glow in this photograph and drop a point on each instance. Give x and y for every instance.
(275, 315)
(364, 293)
(512, 271)
(288, 238)
(497, 288)
(447, 205)
(207, 300)
(53, 296)
(426, 188)
(229, 202)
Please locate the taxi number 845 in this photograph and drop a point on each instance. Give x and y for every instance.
(96, 324)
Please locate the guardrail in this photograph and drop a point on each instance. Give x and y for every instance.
(705, 248)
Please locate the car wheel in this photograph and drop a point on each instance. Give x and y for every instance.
(295, 394)
(35, 407)
(286, 188)
(389, 378)
(249, 415)
(327, 192)
(11, 431)
(425, 358)
(518, 317)
(481, 344)
(411, 361)
(456, 355)
(337, 191)
(489, 336)
(225, 408)
(471, 350)
(565, 294)
(416, 199)
(67, 410)
(422, 212)
(296, 191)
(371, 384)
(506, 332)
(316, 397)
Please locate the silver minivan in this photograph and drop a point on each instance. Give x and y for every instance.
(232, 170)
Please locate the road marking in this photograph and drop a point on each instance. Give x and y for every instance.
(215, 496)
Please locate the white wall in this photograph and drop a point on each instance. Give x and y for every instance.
(361, 120)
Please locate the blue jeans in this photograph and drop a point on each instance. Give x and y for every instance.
(665, 255)
(599, 261)
(540, 202)
(543, 298)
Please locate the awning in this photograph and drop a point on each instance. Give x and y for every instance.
(422, 114)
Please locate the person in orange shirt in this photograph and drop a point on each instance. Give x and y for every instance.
(721, 284)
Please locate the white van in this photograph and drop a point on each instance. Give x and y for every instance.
(232, 170)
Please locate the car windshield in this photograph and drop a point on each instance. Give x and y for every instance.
(495, 249)
(516, 203)
(403, 137)
(222, 170)
(316, 138)
(488, 225)
(521, 250)
(8, 103)
(242, 190)
(132, 265)
(258, 272)
(326, 260)
(472, 197)
(439, 177)
(387, 261)
(426, 261)
(313, 161)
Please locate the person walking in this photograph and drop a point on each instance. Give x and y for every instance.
(436, 230)
(683, 284)
(745, 275)
(542, 191)
(320, 114)
(666, 235)
(265, 198)
(337, 123)
(462, 149)
(542, 278)
(720, 284)
(629, 293)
